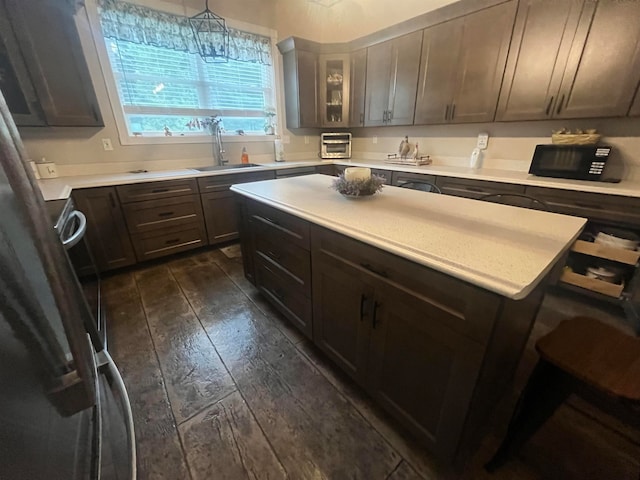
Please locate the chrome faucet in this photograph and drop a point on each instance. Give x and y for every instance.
(218, 147)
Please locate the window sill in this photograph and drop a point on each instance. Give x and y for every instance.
(177, 139)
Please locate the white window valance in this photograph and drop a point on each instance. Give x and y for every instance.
(142, 25)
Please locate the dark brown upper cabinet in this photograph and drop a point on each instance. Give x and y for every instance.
(571, 60)
(392, 80)
(335, 74)
(357, 88)
(603, 69)
(300, 86)
(49, 43)
(462, 66)
(15, 82)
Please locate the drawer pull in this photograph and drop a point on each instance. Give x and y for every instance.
(172, 241)
(475, 189)
(374, 320)
(165, 214)
(274, 255)
(159, 190)
(380, 273)
(587, 205)
(276, 293)
(270, 220)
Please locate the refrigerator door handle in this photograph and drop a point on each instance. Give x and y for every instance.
(107, 366)
(79, 233)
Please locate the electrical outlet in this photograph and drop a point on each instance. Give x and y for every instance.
(483, 141)
(375, 140)
(106, 144)
(306, 140)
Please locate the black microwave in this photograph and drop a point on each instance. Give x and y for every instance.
(580, 162)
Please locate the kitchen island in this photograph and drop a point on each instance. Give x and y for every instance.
(425, 300)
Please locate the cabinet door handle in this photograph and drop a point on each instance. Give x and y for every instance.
(362, 119)
(112, 200)
(363, 301)
(446, 112)
(381, 273)
(159, 190)
(165, 214)
(384, 117)
(475, 189)
(560, 104)
(453, 111)
(374, 320)
(548, 110)
(390, 115)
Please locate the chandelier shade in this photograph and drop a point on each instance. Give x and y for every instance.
(211, 35)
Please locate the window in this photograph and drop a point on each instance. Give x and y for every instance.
(168, 91)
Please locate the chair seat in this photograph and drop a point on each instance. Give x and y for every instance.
(597, 354)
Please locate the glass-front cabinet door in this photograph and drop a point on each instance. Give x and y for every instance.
(334, 90)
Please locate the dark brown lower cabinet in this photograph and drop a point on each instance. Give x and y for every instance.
(221, 216)
(275, 249)
(106, 227)
(437, 353)
(341, 310)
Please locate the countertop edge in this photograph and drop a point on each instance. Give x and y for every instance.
(61, 187)
(506, 289)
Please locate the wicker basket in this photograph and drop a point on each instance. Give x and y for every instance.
(575, 138)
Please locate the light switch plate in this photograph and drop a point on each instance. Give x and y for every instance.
(286, 139)
(483, 141)
(106, 144)
(375, 139)
(306, 140)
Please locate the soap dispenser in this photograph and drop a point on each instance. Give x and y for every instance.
(245, 155)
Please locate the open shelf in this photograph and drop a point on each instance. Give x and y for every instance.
(628, 257)
(609, 289)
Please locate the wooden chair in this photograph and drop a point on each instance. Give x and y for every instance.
(516, 200)
(422, 186)
(582, 356)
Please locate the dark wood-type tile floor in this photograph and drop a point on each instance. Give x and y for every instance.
(223, 387)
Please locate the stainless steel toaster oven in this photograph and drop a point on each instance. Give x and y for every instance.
(335, 145)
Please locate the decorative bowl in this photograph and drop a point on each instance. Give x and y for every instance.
(358, 188)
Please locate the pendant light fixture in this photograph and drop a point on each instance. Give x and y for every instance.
(211, 35)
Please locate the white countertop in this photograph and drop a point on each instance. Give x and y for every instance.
(504, 249)
(61, 187)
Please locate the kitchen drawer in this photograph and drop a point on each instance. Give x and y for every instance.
(166, 212)
(294, 172)
(166, 241)
(400, 178)
(293, 305)
(283, 227)
(461, 187)
(151, 191)
(467, 305)
(386, 174)
(220, 183)
(293, 262)
(594, 206)
(327, 170)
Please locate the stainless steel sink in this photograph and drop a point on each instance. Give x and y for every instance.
(213, 168)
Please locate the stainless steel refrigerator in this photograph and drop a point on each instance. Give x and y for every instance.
(64, 411)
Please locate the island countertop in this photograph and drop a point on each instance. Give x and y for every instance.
(504, 249)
